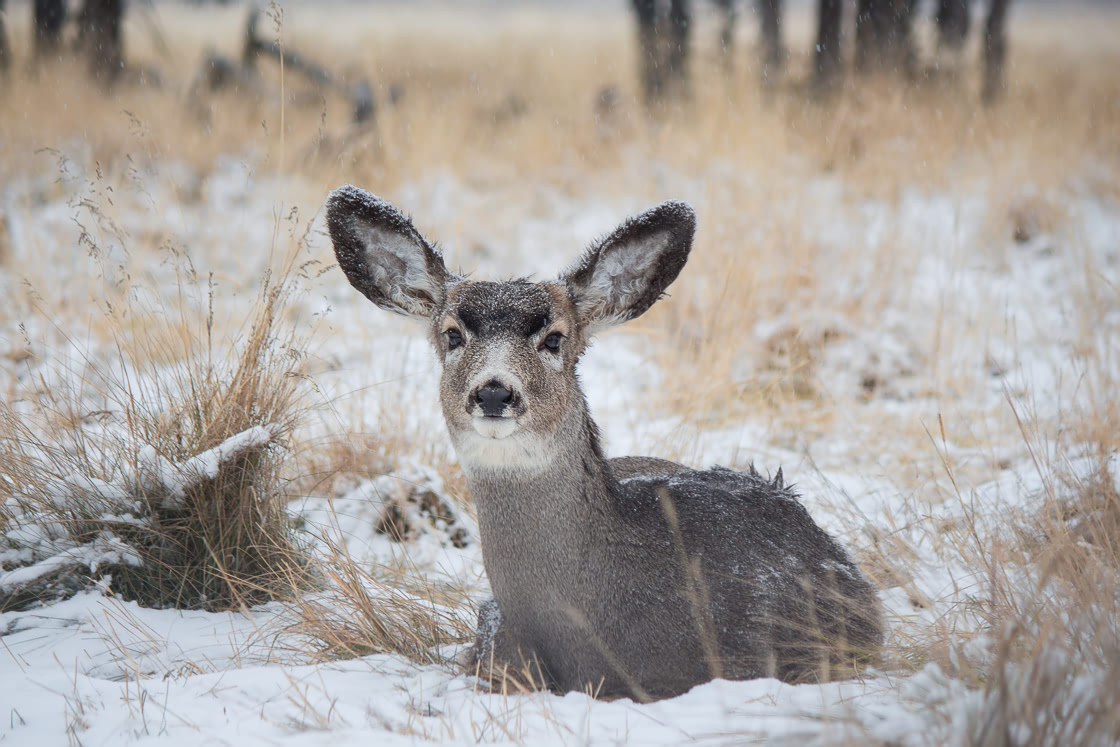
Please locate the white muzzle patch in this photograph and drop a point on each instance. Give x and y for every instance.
(494, 428)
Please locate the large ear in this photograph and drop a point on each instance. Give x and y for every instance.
(383, 255)
(620, 277)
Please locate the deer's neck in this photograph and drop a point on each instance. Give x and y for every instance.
(540, 493)
(545, 524)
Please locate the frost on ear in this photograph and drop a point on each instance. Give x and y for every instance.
(620, 277)
(383, 255)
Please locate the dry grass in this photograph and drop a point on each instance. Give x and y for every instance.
(334, 463)
(1029, 629)
(496, 125)
(1055, 630)
(361, 607)
(360, 611)
(470, 111)
(161, 472)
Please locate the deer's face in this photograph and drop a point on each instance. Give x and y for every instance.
(508, 352)
(508, 349)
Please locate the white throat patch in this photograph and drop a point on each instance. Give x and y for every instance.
(514, 451)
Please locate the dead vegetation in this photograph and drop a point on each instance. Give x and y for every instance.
(360, 611)
(1050, 604)
(161, 482)
(546, 111)
(1019, 648)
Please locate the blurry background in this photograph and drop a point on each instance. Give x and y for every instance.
(516, 132)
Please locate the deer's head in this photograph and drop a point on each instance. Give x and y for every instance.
(508, 349)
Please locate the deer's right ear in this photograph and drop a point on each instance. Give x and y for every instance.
(383, 255)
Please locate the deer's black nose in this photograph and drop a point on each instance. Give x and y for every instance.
(493, 398)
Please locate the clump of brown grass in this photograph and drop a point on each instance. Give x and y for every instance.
(335, 465)
(165, 479)
(1057, 635)
(1033, 644)
(358, 611)
(363, 607)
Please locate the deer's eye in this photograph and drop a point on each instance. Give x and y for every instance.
(454, 338)
(552, 342)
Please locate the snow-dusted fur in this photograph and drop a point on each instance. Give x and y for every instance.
(630, 577)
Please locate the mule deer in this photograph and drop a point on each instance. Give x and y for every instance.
(633, 576)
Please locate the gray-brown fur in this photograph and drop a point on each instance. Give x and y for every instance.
(630, 577)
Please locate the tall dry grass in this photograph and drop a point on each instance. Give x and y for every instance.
(467, 109)
(157, 471)
(361, 609)
(1049, 606)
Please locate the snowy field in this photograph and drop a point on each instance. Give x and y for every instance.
(929, 353)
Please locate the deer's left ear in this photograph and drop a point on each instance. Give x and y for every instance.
(620, 277)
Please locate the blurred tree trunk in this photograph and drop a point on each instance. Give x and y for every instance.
(883, 40)
(5, 50)
(646, 11)
(99, 37)
(679, 28)
(727, 30)
(770, 22)
(49, 17)
(663, 45)
(954, 17)
(829, 63)
(995, 49)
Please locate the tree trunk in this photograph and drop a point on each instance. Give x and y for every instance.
(829, 63)
(954, 17)
(995, 50)
(49, 17)
(770, 16)
(99, 37)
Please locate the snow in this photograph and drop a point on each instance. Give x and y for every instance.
(107, 549)
(175, 480)
(102, 671)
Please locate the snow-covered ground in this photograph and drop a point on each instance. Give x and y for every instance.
(95, 670)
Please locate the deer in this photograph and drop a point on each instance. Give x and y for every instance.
(632, 577)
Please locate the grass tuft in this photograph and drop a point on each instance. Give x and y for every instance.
(160, 481)
(1057, 631)
(358, 612)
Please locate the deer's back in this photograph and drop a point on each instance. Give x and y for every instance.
(722, 515)
(721, 573)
